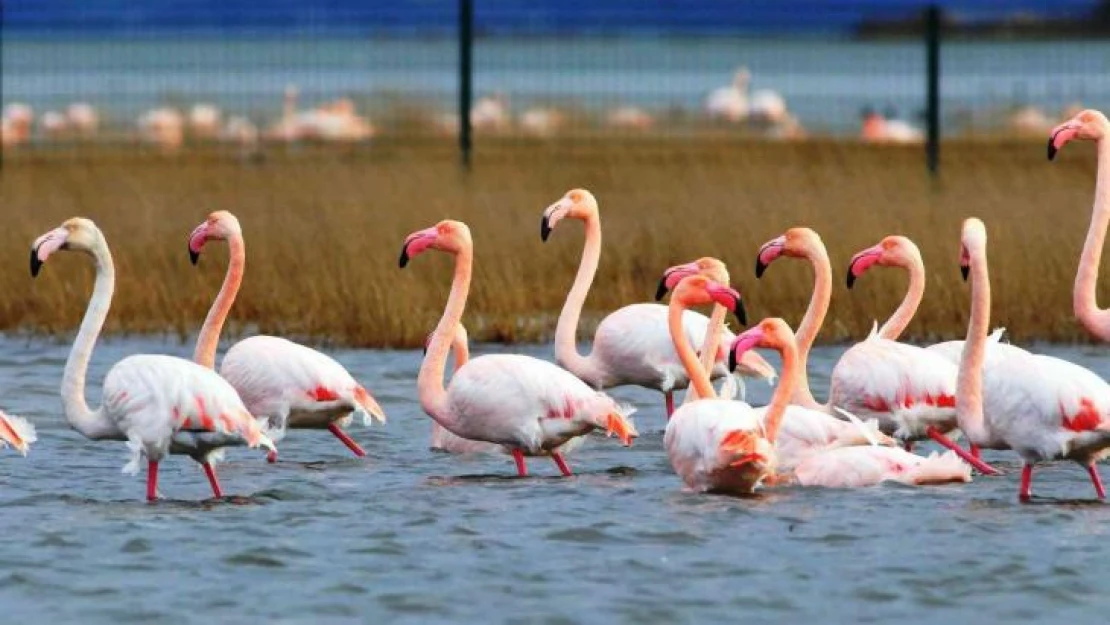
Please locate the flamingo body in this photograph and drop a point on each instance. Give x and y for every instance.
(694, 441)
(805, 432)
(856, 467)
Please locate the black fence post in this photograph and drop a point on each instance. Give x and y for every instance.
(2, 24)
(932, 88)
(466, 50)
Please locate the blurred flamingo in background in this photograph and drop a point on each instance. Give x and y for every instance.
(911, 391)
(83, 118)
(730, 103)
(163, 127)
(529, 406)
(718, 445)
(631, 345)
(291, 385)
(1043, 408)
(158, 404)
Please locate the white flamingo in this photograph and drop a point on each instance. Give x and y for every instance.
(159, 404)
(631, 345)
(1043, 408)
(730, 103)
(527, 405)
(294, 386)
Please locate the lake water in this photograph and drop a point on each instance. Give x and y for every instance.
(411, 536)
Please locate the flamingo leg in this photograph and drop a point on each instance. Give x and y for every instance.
(670, 403)
(152, 480)
(1026, 491)
(975, 451)
(521, 470)
(271, 456)
(558, 457)
(943, 440)
(346, 440)
(210, 471)
(1092, 470)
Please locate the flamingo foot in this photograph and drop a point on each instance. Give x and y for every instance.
(979, 465)
(670, 403)
(152, 480)
(1096, 480)
(521, 470)
(907, 445)
(271, 456)
(346, 440)
(975, 453)
(1025, 494)
(558, 457)
(210, 471)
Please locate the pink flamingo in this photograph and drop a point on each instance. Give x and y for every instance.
(1090, 125)
(292, 385)
(718, 445)
(1043, 408)
(631, 345)
(527, 405)
(911, 391)
(158, 404)
(16, 432)
(809, 462)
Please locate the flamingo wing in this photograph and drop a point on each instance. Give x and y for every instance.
(17, 432)
(857, 467)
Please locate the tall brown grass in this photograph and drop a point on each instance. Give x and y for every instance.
(324, 230)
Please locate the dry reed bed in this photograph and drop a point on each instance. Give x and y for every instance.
(323, 233)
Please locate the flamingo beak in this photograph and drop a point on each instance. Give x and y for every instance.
(1061, 135)
(673, 276)
(861, 262)
(197, 238)
(767, 254)
(743, 342)
(730, 299)
(46, 245)
(416, 243)
(964, 270)
(551, 217)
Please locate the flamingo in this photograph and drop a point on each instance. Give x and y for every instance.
(292, 385)
(527, 405)
(718, 445)
(631, 344)
(911, 391)
(1090, 125)
(158, 404)
(16, 432)
(810, 461)
(83, 117)
(1041, 407)
(730, 102)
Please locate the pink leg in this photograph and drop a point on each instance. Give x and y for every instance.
(346, 440)
(975, 451)
(152, 480)
(1096, 480)
(558, 457)
(981, 466)
(271, 457)
(908, 445)
(1026, 492)
(521, 470)
(670, 403)
(211, 473)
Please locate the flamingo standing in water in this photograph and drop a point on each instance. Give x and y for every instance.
(631, 345)
(1090, 125)
(158, 404)
(911, 391)
(718, 445)
(1043, 408)
(529, 406)
(291, 385)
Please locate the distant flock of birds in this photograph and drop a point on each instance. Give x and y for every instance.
(168, 128)
(884, 395)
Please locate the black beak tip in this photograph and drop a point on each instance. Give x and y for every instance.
(741, 313)
(662, 290)
(851, 279)
(964, 270)
(404, 260)
(545, 230)
(193, 256)
(1051, 149)
(760, 267)
(731, 360)
(36, 264)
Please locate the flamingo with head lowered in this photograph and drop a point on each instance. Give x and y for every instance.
(159, 404)
(527, 405)
(1041, 407)
(291, 385)
(911, 391)
(631, 345)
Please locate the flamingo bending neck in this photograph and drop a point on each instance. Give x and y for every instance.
(903, 315)
(1084, 300)
(429, 383)
(566, 346)
(209, 337)
(699, 379)
(811, 323)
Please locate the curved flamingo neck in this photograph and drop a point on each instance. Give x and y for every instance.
(785, 391)
(969, 383)
(91, 423)
(566, 347)
(1084, 301)
(699, 379)
(209, 337)
(811, 323)
(901, 318)
(710, 345)
(460, 351)
(429, 383)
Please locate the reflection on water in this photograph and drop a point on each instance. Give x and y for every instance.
(409, 535)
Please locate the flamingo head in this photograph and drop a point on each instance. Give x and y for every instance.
(220, 225)
(796, 243)
(892, 251)
(973, 240)
(75, 234)
(1088, 125)
(698, 290)
(706, 266)
(576, 204)
(447, 236)
(771, 333)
